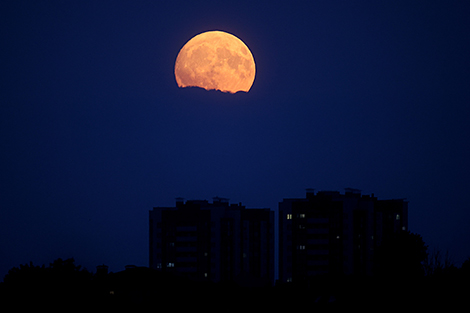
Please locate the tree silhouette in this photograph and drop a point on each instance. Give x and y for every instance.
(25, 274)
(439, 264)
(401, 256)
(465, 268)
(61, 281)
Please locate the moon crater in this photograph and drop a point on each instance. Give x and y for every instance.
(215, 60)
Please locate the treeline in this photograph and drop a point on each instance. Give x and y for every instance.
(64, 285)
(405, 273)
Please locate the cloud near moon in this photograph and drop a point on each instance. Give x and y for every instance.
(215, 60)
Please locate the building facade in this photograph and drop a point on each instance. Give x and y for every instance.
(329, 233)
(214, 241)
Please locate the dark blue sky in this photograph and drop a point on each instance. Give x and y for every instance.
(94, 131)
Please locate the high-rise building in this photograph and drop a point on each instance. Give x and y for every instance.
(335, 234)
(214, 241)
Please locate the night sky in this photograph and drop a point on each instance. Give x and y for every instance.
(94, 131)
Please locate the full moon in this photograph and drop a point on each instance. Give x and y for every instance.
(215, 60)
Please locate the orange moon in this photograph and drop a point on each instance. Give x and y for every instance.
(215, 60)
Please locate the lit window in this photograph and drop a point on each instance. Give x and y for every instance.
(397, 217)
(205, 274)
(171, 264)
(337, 237)
(301, 247)
(403, 228)
(302, 215)
(289, 216)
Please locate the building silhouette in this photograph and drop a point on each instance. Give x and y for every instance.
(329, 233)
(214, 241)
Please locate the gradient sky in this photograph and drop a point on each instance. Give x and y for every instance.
(94, 132)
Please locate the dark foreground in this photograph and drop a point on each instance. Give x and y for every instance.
(141, 289)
